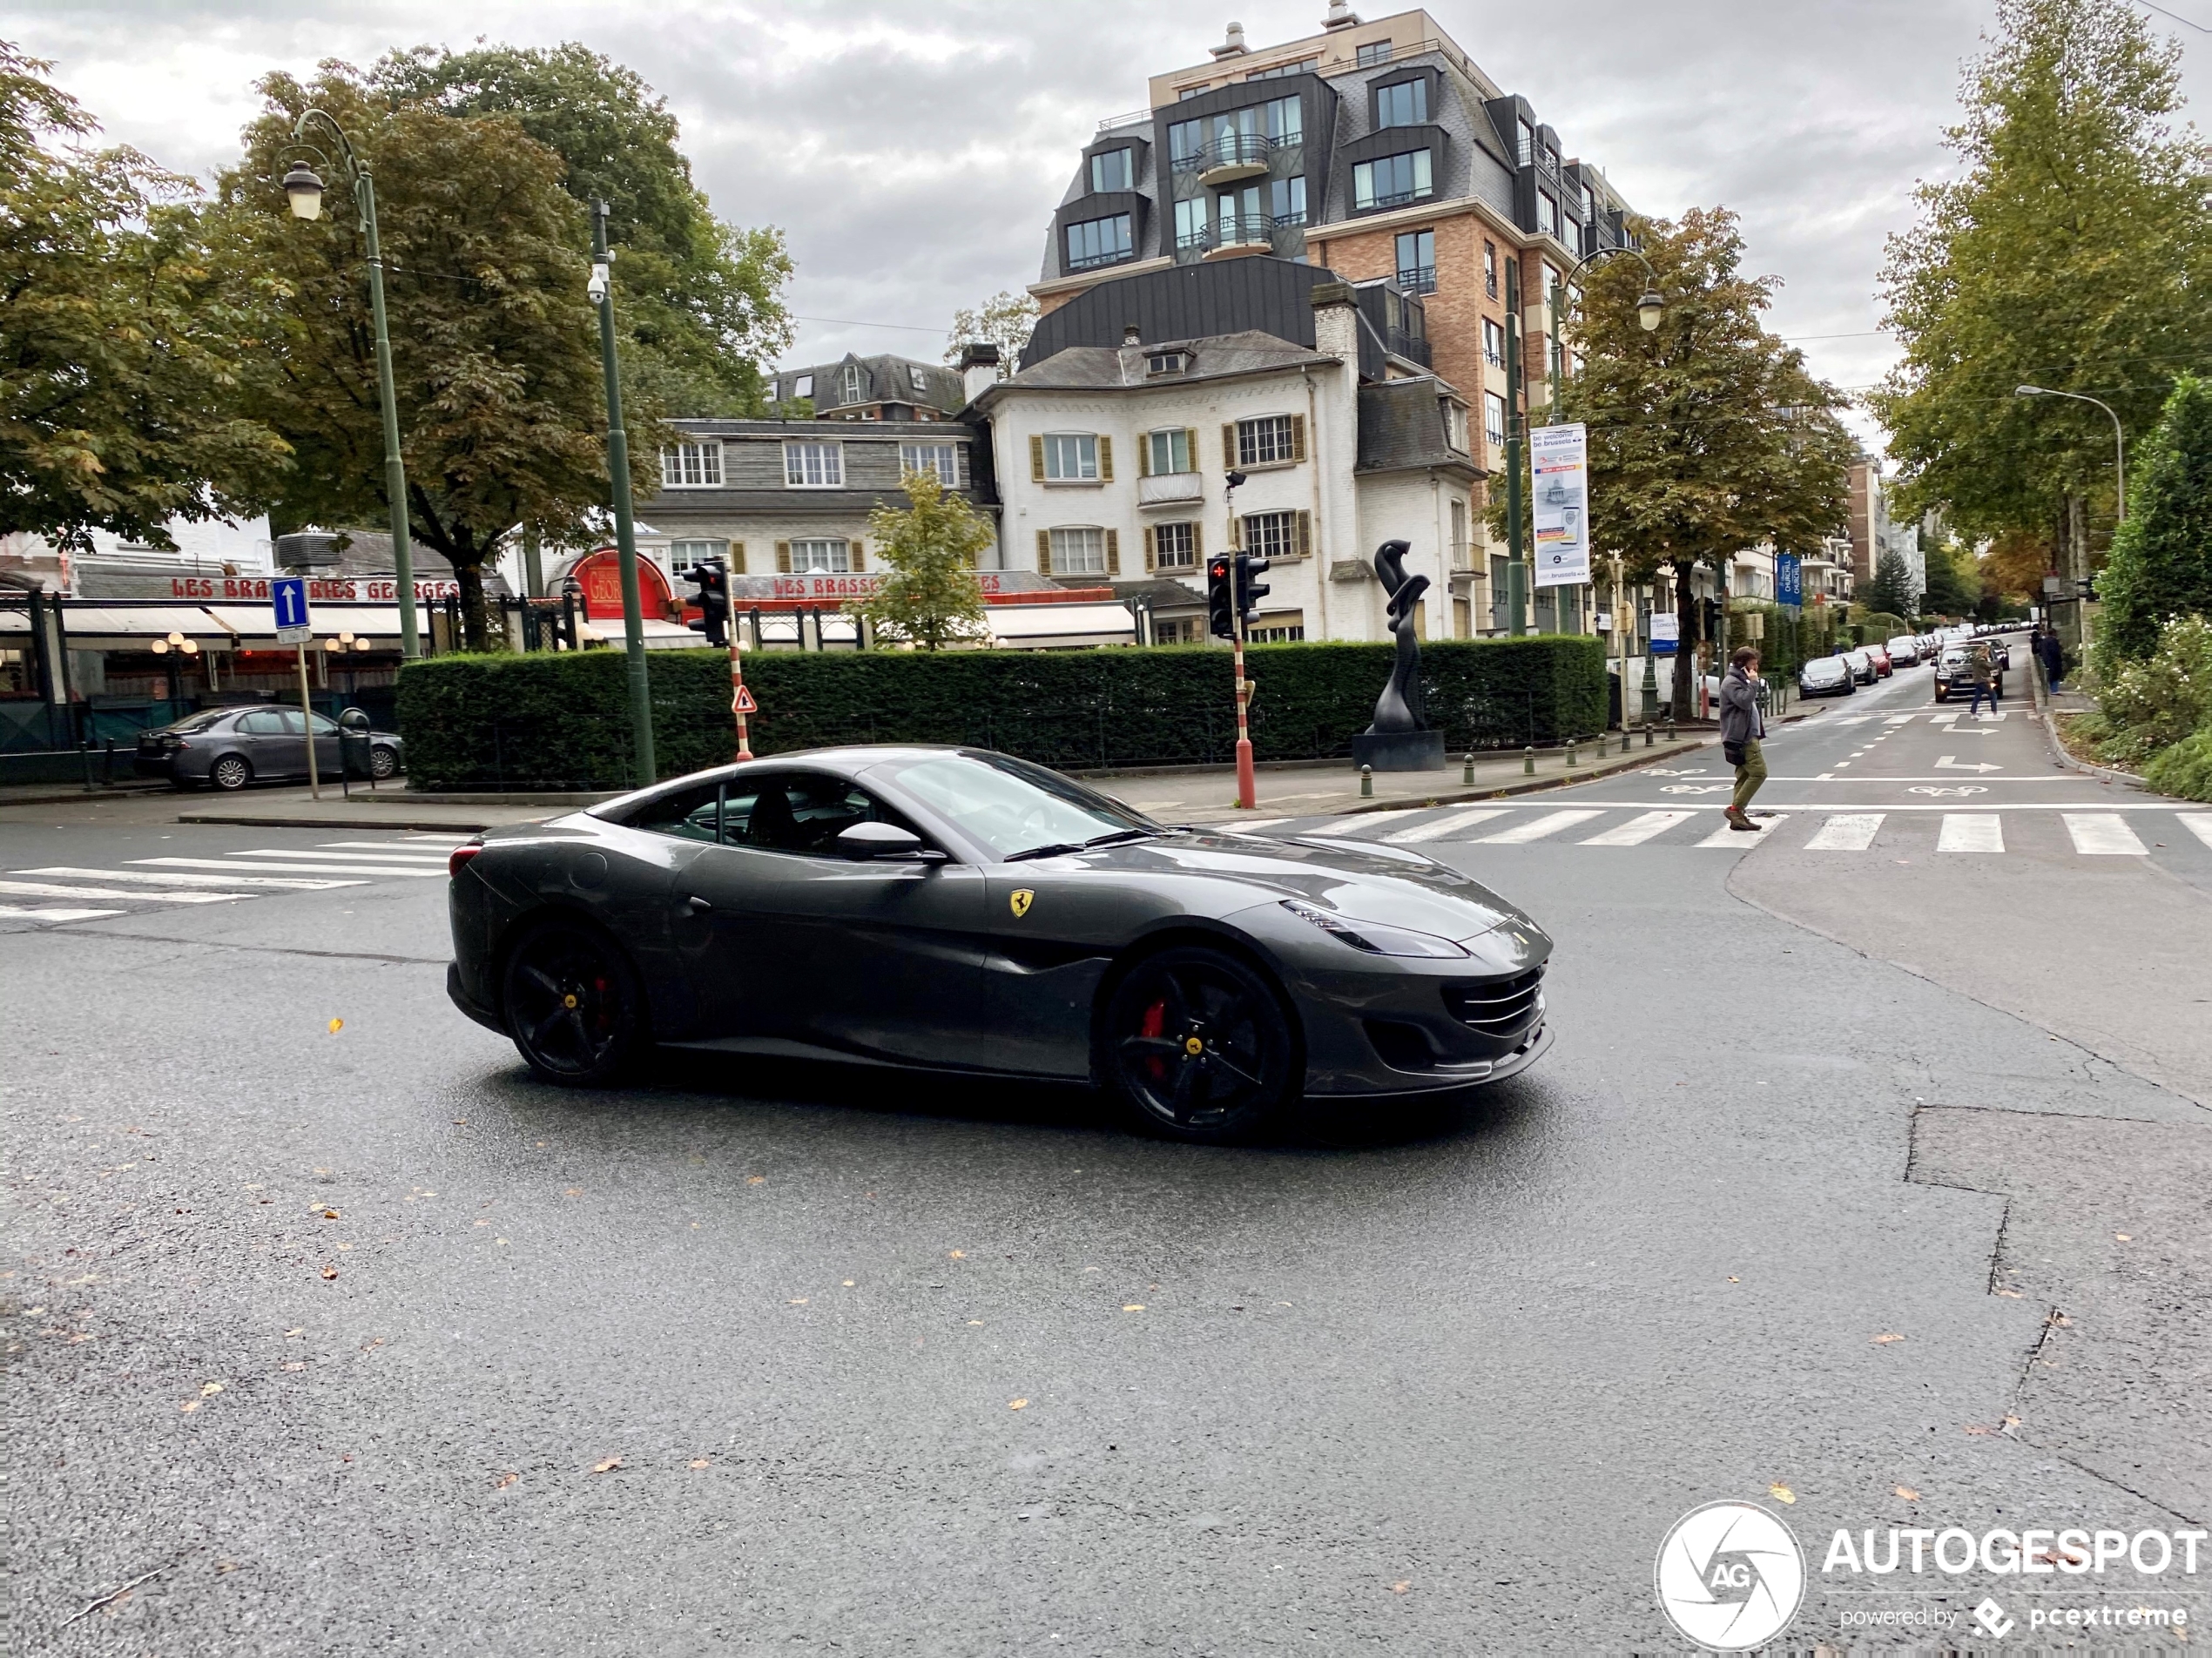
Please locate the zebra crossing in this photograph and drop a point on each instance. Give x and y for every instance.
(2088, 833)
(142, 885)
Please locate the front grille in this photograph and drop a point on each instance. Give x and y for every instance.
(1501, 1007)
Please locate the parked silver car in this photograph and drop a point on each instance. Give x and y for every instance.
(229, 747)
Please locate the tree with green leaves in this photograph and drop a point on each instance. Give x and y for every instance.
(502, 409)
(2073, 251)
(1706, 436)
(702, 299)
(2161, 558)
(118, 349)
(1006, 320)
(1954, 588)
(1890, 592)
(930, 596)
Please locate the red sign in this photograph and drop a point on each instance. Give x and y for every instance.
(600, 574)
(743, 703)
(333, 590)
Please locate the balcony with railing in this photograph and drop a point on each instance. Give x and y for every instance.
(1412, 346)
(1417, 279)
(1234, 235)
(1228, 157)
(1170, 489)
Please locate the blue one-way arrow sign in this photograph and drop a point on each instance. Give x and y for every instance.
(288, 598)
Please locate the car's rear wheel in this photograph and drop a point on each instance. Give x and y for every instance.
(231, 771)
(572, 1004)
(382, 762)
(1198, 1046)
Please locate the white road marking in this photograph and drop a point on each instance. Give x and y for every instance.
(55, 915)
(1725, 836)
(320, 869)
(398, 848)
(1368, 822)
(2198, 824)
(1451, 823)
(421, 860)
(1898, 719)
(1537, 828)
(1636, 830)
(224, 880)
(1240, 828)
(1847, 832)
(2101, 834)
(47, 889)
(1971, 832)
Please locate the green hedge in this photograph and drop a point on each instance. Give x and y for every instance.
(561, 720)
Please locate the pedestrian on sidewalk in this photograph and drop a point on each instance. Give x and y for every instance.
(1985, 678)
(2052, 653)
(1741, 732)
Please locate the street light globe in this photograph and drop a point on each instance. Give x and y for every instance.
(304, 190)
(176, 639)
(1649, 309)
(2029, 391)
(191, 647)
(161, 647)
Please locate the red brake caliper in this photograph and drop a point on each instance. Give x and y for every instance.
(1154, 1023)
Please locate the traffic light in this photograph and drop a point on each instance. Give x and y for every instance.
(1709, 611)
(712, 580)
(1221, 614)
(1248, 591)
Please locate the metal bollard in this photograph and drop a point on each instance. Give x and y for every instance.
(1467, 772)
(1366, 780)
(1670, 727)
(1647, 734)
(1528, 761)
(1571, 761)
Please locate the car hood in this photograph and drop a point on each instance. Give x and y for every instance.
(1360, 881)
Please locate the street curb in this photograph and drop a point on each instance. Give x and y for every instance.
(62, 798)
(1537, 785)
(573, 800)
(2059, 753)
(249, 820)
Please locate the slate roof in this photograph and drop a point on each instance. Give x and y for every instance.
(1401, 427)
(1112, 367)
(886, 379)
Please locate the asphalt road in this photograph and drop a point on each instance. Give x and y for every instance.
(341, 1332)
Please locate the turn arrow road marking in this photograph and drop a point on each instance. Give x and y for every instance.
(1951, 763)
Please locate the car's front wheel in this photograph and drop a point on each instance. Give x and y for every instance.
(383, 762)
(572, 1004)
(231, 771)
(1198, 1046)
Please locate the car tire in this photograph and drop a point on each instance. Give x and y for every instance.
(383, 762)
(572, 1004)
(1198, 1046)
(231, 771)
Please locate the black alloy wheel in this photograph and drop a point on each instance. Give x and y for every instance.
(231, 771)
(1198, 1046)
(572, 1005)
(382, 762)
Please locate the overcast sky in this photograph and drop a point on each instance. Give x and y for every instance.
(914, 154)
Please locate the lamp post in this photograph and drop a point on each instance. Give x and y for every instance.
(304, 190)
(2118, 478)
(633, 620)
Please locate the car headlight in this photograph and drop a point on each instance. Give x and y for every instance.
(1372, 936)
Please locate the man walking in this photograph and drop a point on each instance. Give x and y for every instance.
(1984, 676)
(1741, 731)
(2053, 656)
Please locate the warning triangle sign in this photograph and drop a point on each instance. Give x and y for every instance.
(743, 703)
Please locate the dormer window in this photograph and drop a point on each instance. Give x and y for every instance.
(918, 377)
(1528, 145)
(856, 383)
(1166, 362)
(1405, 104)
(1110, 170)
(803, 385)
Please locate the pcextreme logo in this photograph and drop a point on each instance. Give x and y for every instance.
(1730, 1576)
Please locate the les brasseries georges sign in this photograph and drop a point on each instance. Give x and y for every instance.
(335, 590)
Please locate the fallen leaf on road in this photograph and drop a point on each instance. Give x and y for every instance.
(189, 1406)
(330, 1272)
(337, 1025)
(1977, 1429)
(756, 1180)
(573, 1192)
(483, 1222)
(2009, 1295)
(461, 1122)
(698, 1462)
(1134, 1306)
(345, 1246)
(330, 1214)
(1908, 1494)
(208, 1390)
(1886, 1338)
(296, 1365)
(798, 1301)
(1017, 1403)
(1400, 1586)
(297, 1330)
(505, 1480)
(848, 1284)
(1782, 1493)
(2124, 1237)
(976, 1321)
(499, 1240)
(956, 1255)
(607, 1466)
(1736, 1280)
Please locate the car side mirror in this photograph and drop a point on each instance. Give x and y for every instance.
(864, 842)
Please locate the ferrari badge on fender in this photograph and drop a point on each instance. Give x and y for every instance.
(1020, 900)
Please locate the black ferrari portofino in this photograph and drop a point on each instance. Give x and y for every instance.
(965, 911)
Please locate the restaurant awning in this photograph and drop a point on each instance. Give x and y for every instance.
(255, 624)
(125, 627)
(1042, 627)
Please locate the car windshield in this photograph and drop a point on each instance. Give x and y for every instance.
(1013, 807)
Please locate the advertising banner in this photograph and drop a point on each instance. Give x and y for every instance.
(1666, 633)
(1559, 480)
(1789, 579)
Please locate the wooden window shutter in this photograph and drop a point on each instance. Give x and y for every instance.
(1198, 543)
(1144, 455)
(737, 558)
(783, 558)
(1228, 445)
(1190, 446)
(1297, 437)
(1151, 548)
(1113, 552)
(1304, 534)
(860, 554)
(1105, 459)
(1036, 459)
(1044, 552)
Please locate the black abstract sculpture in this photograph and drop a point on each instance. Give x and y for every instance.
(1399, 740)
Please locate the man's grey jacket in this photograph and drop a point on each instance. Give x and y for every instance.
(1740, 721)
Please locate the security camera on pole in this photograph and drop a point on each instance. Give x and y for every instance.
(1230, 593)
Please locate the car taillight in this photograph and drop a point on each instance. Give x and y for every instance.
(460, 857)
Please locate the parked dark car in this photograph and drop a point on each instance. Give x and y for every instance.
(1955, 672)
(1860, 661)
(1826, 676)
(229, 747)
(963, 911)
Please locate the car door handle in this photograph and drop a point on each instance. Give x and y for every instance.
(698, 906)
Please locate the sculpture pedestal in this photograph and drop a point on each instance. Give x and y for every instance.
(1399, 751)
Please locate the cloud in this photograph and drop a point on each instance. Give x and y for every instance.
(915, 155)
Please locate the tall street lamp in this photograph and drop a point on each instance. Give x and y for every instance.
(304, 189)
(633, 616)
(2118, 478)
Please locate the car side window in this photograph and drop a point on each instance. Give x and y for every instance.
(800, 812)
(265, 722)
(688, 814)
(324, 726)
(292, 724)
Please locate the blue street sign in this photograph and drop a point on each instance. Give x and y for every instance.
(288, 599)
(1789, 579)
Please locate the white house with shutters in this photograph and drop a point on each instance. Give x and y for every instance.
(1113, 465)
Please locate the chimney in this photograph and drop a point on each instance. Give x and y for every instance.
(1233, 46)
(1131, 334)
(979, 369)
(1336, 321)
(1341, 16)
